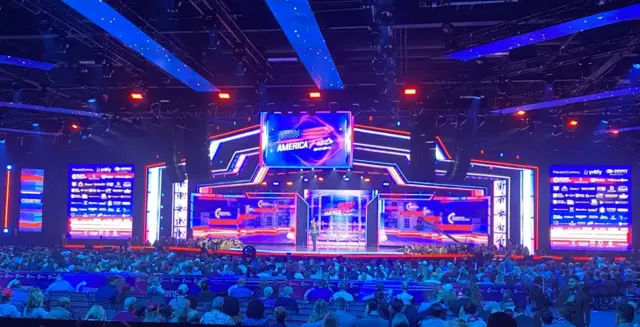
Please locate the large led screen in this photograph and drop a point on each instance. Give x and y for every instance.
(252, 219)
(322, 140)
(590, 207)
(100, 201)
(428, 219)
(340, 214)
(31, 190)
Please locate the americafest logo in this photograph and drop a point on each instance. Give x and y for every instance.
(342, 209)
(314, 139)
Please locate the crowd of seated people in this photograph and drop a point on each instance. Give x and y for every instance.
(573, 285)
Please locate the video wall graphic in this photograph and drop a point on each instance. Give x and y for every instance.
(590, 207)
(340, 214)
(100, 201)
(252, 219)
(322, 140)
(427, 219)
(31, 192)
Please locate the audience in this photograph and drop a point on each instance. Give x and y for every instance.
(286, 301)
(216, 316)
(330, 320)
(60, 285)
(96, 313)
(205, 294)
(344, 318)
(501, 319)
(372, 317)
(62, 311)
(240, 290)
(34, 309)
(128, 314)
(255, 314)
(152, 314)
(625, 315)
(7, 310)
(280, 315)
(320, 310)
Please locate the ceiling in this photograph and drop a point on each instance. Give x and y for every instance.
(204, 33)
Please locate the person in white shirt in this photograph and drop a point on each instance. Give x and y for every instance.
(342, 293)
(404, 295)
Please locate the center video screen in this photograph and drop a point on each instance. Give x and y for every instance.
(322, 140)
(340, 214)
(251, 219)
(100, 203)
(590, 208)
(426, 220)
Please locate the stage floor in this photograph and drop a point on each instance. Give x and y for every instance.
(281, 250)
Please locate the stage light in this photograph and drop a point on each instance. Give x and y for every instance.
(346, 179)
(305, 180)
(521, 113)
(636, 66)
(321, 179)
(410, 91)
(367, 180)
(136, 96)
(518, 156)
(6, 231)
(35, 124)
(385, 184)
(75, 127)
(263, 183)
(9, 167)
(224, 96)
(398, 123)
(481, 151)
(572, 123)
(315, 95)
(615, 132)
(275, 183)
(289, 183)
(370, 118)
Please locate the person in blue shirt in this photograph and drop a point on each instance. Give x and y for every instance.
(19, 297)
(240, 291)
(7, 310)
(109, 292)
(321, 292)
(60, 285)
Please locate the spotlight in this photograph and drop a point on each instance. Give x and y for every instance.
(6, 231)
(410, 91)
(321, 179)
(75, 127)
(35, 124)
(263, 183)
(615, 132)
(521, 113)
(289, 183)
(305, 180)
(636, 66)
(9, 167)
(385, 184)
(572, 123)
(346, 179)
(275, 183)
(136, 96)
(367, 180)
(224, 96)
(315, 95)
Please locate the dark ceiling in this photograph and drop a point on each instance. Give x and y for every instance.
(90, 62)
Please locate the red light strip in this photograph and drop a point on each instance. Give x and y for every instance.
(7, 188)
(236, 131)
(380, 129)
(444, 148)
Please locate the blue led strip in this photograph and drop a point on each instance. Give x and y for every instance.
(550, 33)
(24, 131)
(101, 14)
(568, 101)
(300, 26)
(26, 63)
(49, 109)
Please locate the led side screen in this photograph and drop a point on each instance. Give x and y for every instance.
(550, 33)
(31, 190)
(590, 207)
(299, 25)
(100, 201)
(101, 14)
(324, 140)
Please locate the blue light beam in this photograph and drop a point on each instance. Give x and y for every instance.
(550, 33)
(301, 28)
(34, 107)
(26, 63)
(563, 102)
(101, 14)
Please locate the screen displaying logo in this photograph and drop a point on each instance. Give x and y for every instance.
(31, 190)
(298, 141)
(590, 207)
(100, 199)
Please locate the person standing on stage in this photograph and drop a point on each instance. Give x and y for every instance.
(576, 301)
(314, 234)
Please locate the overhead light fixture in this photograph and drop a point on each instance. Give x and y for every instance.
(410, 91)
(550, 33)
(224, 96)
(136, 96)
(315, 95)
(100, 13)
(298, 22)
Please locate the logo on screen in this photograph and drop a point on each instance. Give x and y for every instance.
(452, 218)
(219, 213)
(314, 139)
(344, 208)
